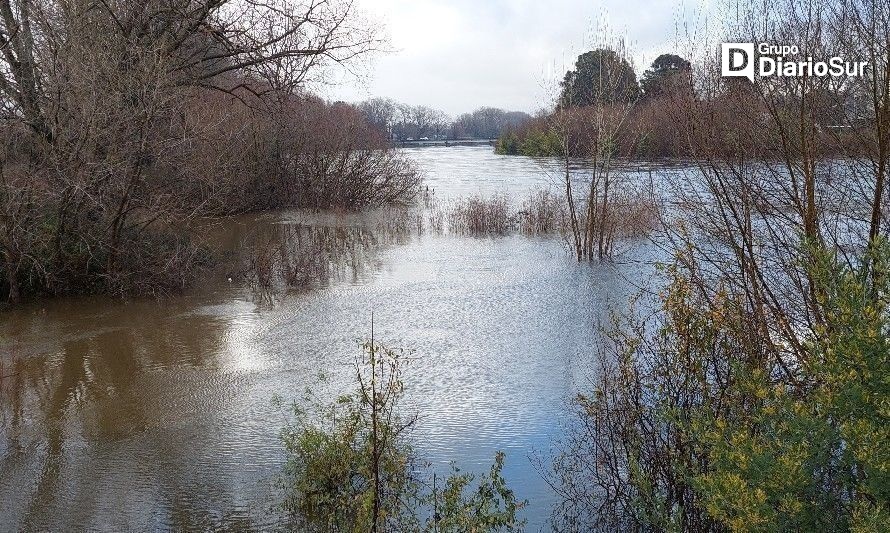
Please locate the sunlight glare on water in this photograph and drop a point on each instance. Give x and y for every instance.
(160, 414)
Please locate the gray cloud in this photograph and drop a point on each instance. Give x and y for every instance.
(458, 55)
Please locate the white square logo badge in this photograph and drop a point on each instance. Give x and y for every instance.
(737, 59)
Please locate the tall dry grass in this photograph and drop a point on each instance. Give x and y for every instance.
(630, 214)
(478, 215)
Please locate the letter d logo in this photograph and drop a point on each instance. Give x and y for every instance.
(737, 59)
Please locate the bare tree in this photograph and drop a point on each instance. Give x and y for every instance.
(593, 132)
(101, 88)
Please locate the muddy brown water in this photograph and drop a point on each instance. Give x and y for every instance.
(145, 414)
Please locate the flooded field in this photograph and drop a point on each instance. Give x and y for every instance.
(161, 414)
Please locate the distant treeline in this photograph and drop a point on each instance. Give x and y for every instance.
(402, 122)
(656, 111)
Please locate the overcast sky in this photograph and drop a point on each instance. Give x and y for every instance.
(458, 55)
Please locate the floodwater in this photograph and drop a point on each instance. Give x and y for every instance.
(151, 414)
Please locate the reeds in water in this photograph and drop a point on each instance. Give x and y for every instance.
(480, 216)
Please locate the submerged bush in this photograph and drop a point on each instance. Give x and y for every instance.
(478, 216)
(507, 143)
(630, 214)
(542, 213)
(350, 466)
(694, 426)
(105, 163)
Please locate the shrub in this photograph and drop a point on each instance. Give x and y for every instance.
(350, 466)
(542, 213)
(692, 426)
(479, 216)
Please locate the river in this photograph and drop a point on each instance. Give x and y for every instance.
(161, 414)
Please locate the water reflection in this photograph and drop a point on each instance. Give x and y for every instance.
(88, 406)
(302, 251)
(159, 415)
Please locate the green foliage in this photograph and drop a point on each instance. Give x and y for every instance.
(492, 506)
(815, 456)
(668, 72)
(600, 77)
(330, 470)
(541, 143)
(507, 144)
(536, 141)
(350, 467)
(624, 464)
(702, 428)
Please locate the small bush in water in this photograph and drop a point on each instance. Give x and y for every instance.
(350, 467)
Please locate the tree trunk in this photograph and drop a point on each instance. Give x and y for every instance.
(15, 294)
(603, 219)
(573, 216)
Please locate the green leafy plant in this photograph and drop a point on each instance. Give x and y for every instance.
(815, 456)
(351, 468)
